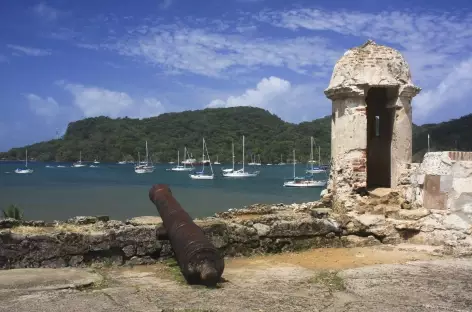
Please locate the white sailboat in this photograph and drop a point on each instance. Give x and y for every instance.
(217, 162)
(181, 168)
(96, 161)
(241, 173)
(26, 169)
(315, 169)
(201, 175)
(79, 163)
(146, 167)
(302, 181)
(281, 163)
(227, 170)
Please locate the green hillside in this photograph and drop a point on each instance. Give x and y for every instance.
(266, 135)
(112, 139)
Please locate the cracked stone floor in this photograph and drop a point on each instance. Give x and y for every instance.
(384, 278)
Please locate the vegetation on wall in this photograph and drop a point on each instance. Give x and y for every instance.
(266, 134)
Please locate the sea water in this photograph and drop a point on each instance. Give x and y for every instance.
(52, 193)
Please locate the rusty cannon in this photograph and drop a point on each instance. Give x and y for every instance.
(199, 260)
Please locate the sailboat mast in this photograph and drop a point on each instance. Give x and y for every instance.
(243, 152)
(26, 160)
(203, 154)
(294, 175)
(147, 154)
(311, 153)
(232, 147)
(319, 156)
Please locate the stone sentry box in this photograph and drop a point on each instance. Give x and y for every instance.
(371, 128)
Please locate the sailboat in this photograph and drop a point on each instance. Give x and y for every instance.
(281, 163)
(302, 181)
(241, 173)
(146, 167)
(79, 163)
(179, 167)
(26, 169)
(226, 170)
(201, 175)
(217, 162)
(315, 169)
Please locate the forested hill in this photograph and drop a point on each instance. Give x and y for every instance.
(267, 135)
(452, 135)
(112, 139)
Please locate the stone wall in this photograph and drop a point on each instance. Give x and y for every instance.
(84, 241)
(443, 181)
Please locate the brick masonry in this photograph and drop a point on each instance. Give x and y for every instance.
(460, 156)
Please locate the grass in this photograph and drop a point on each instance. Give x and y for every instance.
(329, 279)
(13, 212)
(174, 270)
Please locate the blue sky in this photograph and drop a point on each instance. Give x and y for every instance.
(63, 60)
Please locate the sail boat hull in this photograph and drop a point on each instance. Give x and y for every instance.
(178, 168)
(315, 170)
(23, 171)
(240, 174)
(304, 183)
(201, 177)
(144, 169)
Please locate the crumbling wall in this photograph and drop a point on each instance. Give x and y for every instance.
(443, 181)
(85, 241)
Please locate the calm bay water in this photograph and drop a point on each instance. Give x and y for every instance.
(115, 190)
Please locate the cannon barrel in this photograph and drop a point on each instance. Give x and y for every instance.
(199, 260)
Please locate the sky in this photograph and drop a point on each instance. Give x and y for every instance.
(64, 60)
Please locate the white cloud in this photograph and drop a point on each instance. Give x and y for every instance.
(282, 98)
(95, 101)
(44, 107)
(46, 12)
(215, 54)
(453, 90)
(435, 45)
(29, 51)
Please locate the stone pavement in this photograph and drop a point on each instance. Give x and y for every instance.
(289, 282)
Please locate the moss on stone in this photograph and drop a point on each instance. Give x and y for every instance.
(329, 279)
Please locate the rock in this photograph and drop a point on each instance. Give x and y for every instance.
(262, 229)
(54, 263)
(9, 223)
(357, 241)
(320, 213)
(80, 220)
(141, 260)
(76, 260)
(129, 251)
(103, 218)
(454, 222)
(145, 220)
(415, 214)
(369, 220)
(37, 223)
(406, 205)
